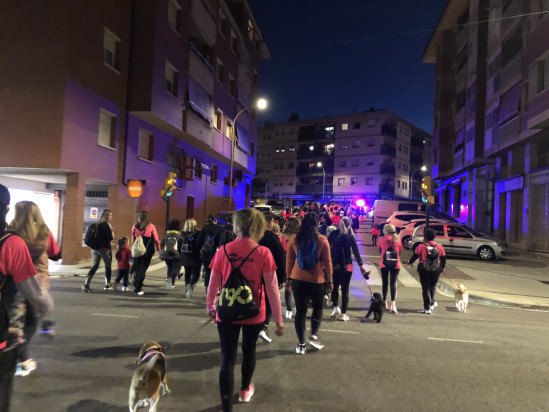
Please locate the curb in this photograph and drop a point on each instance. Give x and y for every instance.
(449, 291)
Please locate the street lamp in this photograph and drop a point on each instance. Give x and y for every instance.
(319, 164)
(422, 169)
(260, 104)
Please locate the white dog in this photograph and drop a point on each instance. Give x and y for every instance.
(462, 298)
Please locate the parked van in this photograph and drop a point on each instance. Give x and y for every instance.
(383, 209)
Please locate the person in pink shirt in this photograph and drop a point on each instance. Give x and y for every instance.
(148, 232)
(259, 269)
(389, 247)
(123, 256)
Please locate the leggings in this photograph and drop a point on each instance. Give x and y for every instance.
(343, 279)
(141, 265)
(192, 273)
(385, 279)
(428, 286)
(228, 339)
(303, 292)
(173, 269)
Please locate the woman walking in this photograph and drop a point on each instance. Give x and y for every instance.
(309, 266)
(29, 224)
(190, 255)
(389, 248)
(170, 251)
(104, 235)
(258, 267)
(342, 243)
(290, 228)
(149, 235)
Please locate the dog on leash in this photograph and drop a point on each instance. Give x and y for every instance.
(462, 298)
(149, 379)
(376, 307)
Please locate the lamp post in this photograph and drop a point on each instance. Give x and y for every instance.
(422, 169)
(261, 104)
(319, 164)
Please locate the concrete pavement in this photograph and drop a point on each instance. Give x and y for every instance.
(519, 281)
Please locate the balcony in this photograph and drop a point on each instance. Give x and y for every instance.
(387, 169)
(303, 169)
(197, 126)
(204, 21)
(387, 149)
(388, 129)
(316, 153)
(387, 189)
(509, 131)
(200, 70)
(510, 74)
(314, 189)
(315, 132)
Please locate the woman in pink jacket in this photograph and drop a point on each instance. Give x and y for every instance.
(390, 247)
(148, 232)
(259, 269)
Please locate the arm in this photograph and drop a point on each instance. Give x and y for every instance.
(290, 257)
(442, 262)
(271, 289)
(356, 253)
(415, 256)
(30, 289)
(278, 255)
(53, 249)
(155, 237)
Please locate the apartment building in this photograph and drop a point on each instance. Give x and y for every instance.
(370, 155)
(491, 117)
(95, 94)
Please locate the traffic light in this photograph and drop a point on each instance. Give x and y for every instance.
(170, 184)
(427, 190)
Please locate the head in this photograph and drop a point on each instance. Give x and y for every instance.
(308, 229)
(143, 219)
(275, 228)
(106, 215)
(249, 223)
(190, 225)
(174, 225)
(344, 226)
(389, 230)
(461, 288)
(123, 241)
(28, 222)
(291, 227)
(211, 219)
(376, 297)
(341, 213)
(269, 218)
(429, 235)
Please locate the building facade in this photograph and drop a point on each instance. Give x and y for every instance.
(491, 117)
(370, 155)
(95, 94)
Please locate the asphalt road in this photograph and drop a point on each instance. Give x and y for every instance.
(490, 359)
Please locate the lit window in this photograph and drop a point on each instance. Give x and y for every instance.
(354, 181)
(111, 47)
(174, 15)
(218, 117)
(292, 148)
(341, 181)
(343, 146)
(345, 126)
(356, 144)
(171, 79)
(146, 145)
(107, 129)
(250, 31)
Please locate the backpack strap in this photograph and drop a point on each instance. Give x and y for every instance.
(243, 260)
(4, 277)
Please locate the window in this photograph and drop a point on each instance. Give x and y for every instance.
(218, 117)
(371, 143)
(356, 125)
(398, 184)
(456, 231)
(107, 129)
(371, 123)
(354, 181)
(341, 181)
(291, 183)
(250, 30)
(234, 42)
(370, 163)
(172, 77)
(542, 76)
(356, 144)
(345, 126)
(174, 15)
(223, 24)
(252, 148)
(291, 165)
(399, 166)
(228, 130)
(439, 230)
(111, 48)
(232, 85)
(291, 148)
(213, 178)
(355, 163)
(343, 146)
(343, 163)
(220, 71)
(146, 145)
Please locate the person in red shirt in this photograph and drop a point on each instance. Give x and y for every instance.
(375, 234)
(428, 279)
(258, 269)
(123, 256)
(389, 240)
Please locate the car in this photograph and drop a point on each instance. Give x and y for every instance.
(461, 240)
(406, 232)
(264, 208)
(399, 219)
(225, 218)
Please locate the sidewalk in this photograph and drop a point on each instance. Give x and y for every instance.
(520, 281)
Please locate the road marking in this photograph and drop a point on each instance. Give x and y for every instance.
(350, 332)
(456, 340)
(404, 276)
(115, 316)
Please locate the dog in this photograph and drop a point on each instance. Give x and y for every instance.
(462, 298)
(376, 306)
(149, 379)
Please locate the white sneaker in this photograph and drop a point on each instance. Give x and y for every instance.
(289, 314)
(124, 288)
(140, 293)
(263, 335)
(336, 312)
(434, 305)
(189, 292)
(344, 317)
(315, 343)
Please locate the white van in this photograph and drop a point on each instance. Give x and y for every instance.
(383, 209)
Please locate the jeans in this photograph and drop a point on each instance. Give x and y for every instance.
(288, 299)
(343, 279)
(97, 256)
(385, 281)
(173, 269)
(428, 286)
(122, 275)
(303, 292)
(29, 329)
(228, 339)
(192, 273)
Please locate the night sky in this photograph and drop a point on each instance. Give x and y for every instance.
(332, 57)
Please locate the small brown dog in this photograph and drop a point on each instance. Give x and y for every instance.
(149, 379)
(462, 298)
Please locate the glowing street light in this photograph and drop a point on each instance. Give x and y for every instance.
(422, 169)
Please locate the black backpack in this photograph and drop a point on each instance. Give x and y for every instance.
(92, 238)
(390, 258)
(4, 313)
(432, 261)
(208, 249)
(337, 251)
(236, 300)
(188, 240)
(170, 249)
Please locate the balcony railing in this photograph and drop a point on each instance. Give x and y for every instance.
(387, 149)
(304, 169)
(387, 169)
(194, 48)
(387, 189)
(388, 129)
(314, 189)
(317, 152)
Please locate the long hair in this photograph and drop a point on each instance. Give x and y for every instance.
(105, 215)
(291, 227)
(143, 219)
(4, 203)
(249, 223)
(28, 222)
(307, 230)
(344, 226)
(390, 230)
(190, 225)
(123, 241)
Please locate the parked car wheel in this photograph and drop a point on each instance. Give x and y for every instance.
(486, 253)
(406, 240)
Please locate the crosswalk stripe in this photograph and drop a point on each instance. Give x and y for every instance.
(404, 276)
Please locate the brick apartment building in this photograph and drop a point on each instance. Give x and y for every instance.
(491, 117)
(96, 93)
(369, 155)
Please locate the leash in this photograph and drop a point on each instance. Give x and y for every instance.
(168, 348)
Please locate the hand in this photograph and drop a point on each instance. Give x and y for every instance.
(211, 314)
(329, 287)
(289, 284)
(280, 286)
(279, 329)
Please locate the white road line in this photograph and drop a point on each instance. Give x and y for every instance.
(115, 316)
(456, 340)
(404, 277)
(350, 332)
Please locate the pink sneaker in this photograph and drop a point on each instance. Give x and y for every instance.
(246, 395)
